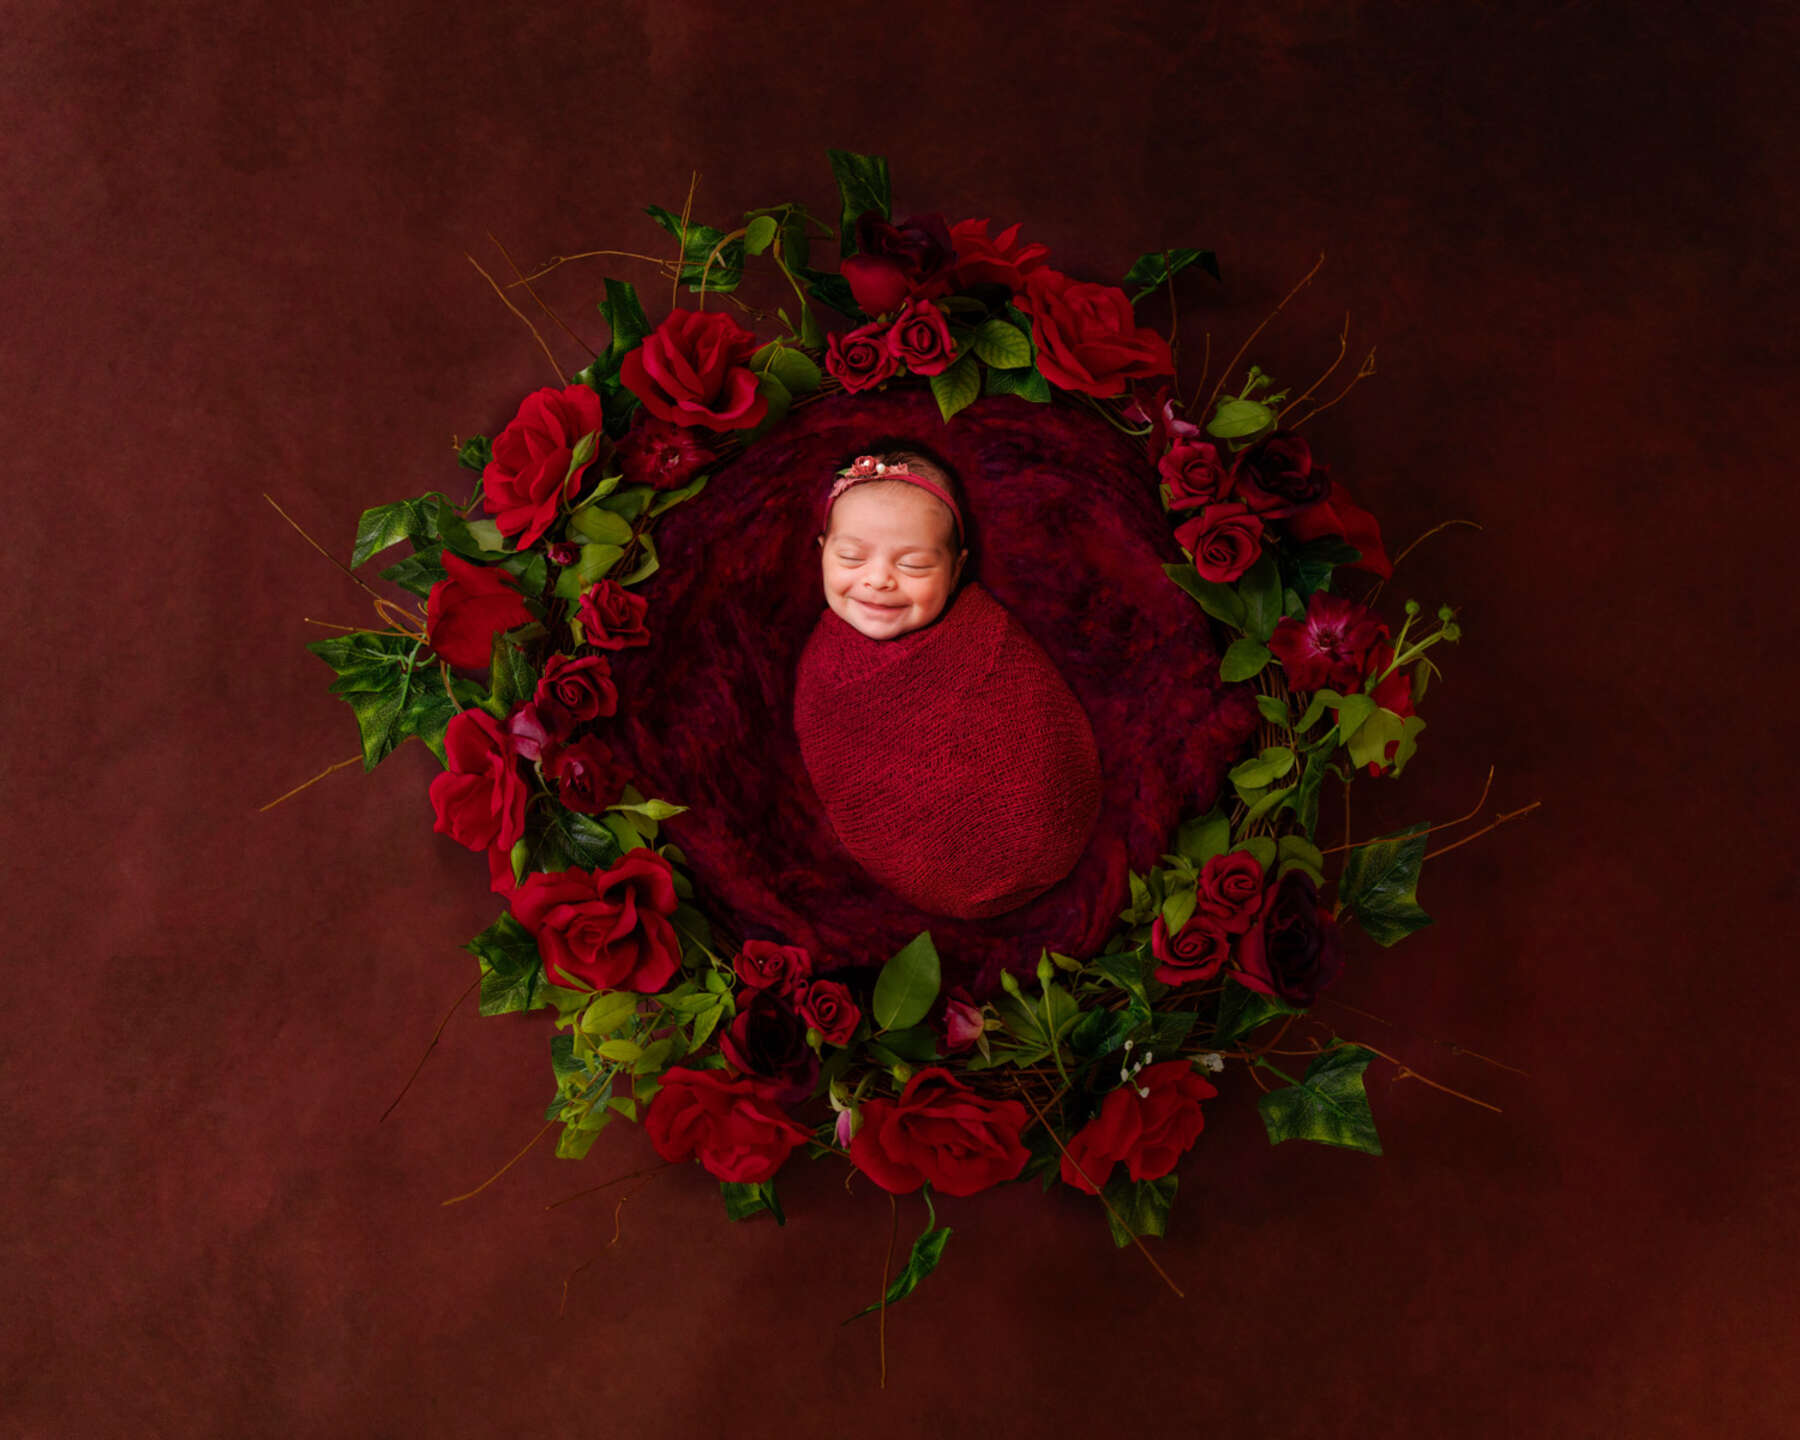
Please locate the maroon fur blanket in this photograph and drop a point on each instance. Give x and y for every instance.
(955, 763)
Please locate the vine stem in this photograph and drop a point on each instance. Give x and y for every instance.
(608, 1184)
(458, 1199)
(435, 1034)
(304, 783)
(524, 319)
(887, 1266)
(1231, 364)
(1441, 825)
(513, 266)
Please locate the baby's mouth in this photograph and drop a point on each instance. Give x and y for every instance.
(876, 605)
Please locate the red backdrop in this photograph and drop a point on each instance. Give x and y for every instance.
(234, 240)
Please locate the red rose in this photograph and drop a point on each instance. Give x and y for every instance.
(467, 608)
(827, 1007)
(586, 775)
(1231, 890)
(734, 1130)
(1296, 951)
(690, 370)
(480, 798)
(573, 691)
(861, 359)
(999, 261)
(939, 1133)
(1194, 475)
(764, 965)
(1340, 515)
(661, 455)
(920, 339)
(500, 871)
(767, 1040)
(1276, 476)
(1225, 541)
(1087, 338)
(897, 262)
(606, 930)
(1198, 951)
(1331, 646)
(530, 477)
(1149, 1132)
(612, 617)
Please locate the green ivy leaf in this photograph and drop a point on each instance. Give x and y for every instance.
(742, 1200)
(512, 970)
(385, 525)
(862, 182)
(625, 318)
(560, 839)
(1150, 270)
(1312, 562)
(1242, 1011)
(908, 984)
(1380, 884)
(474, 453)
(956, 388)
(725, 269)
(376, 675)
(1027, 384)
(1139, 1207)
(1351, 712)
(512, 676)
(1329, 1105)
(927, 1250)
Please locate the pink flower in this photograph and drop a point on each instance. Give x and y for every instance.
(963, 1024)
(1331, 646)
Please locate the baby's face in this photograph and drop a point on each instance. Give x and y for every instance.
(888, 559)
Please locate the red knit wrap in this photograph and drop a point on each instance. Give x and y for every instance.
(954, 762)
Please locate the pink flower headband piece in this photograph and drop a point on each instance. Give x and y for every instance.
(867, 467)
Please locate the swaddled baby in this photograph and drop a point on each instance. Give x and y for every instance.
(954, 762)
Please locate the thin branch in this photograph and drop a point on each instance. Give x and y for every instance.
(523, 318)
(1495, 824)
(1441, 825)
(1343, 347)
(557, 261)
(687, 209)
(608, 1184)
(1231, 365)
(435, 1034)
(887, 1266)
(304, 783)
(458, 1199)
(1363, 372)
(512, 265)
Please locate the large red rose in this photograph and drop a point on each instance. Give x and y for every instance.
(725, 1121)
(1339, 515)
(1296, 949)
(1197, 951)
(1225, 541)
(1149, 1132)
(612, 617)
(691, 370)
(1330, 645)
(920, 339)
(999, 261)
(467, 608)
(480, 799)
(940, 1133)
(860, 359)
(1231, 890)
(606, 930)
(1087, 338)
(531, 473)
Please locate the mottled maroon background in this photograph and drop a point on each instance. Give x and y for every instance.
(233, 245)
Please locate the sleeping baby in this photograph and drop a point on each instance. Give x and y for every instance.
(954, 762)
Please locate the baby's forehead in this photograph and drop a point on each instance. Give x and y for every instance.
(891, 505)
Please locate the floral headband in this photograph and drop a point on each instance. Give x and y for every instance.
(867, 467)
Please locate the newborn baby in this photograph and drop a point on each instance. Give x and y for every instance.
(953, 760)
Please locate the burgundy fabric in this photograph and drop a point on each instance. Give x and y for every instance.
(1065, 531)
(953, 762)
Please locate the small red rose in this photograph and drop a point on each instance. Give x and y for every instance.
(573, 691)
(480, 799)
(940, 1133)
(725, 1121)
(587, 776)
(920, 339)
(861, 359)
(1277, 477)
(1194, 474)
(467, 608)
(1198, 951)
(827, 1007)
(1231, 890)
(1149, 1132)
(764, 965)
(532, 472)
(607, 930)
(1225, 541)
(611, 617)
(690, 370)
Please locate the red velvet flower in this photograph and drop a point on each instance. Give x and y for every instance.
(612, 617)
(480, 799)
(660, 454)
(827, 1007)
(767, 1040)
(861, 359)
(529, 477)
(1194, 475)
(1225, 541)
(920, 339)
(1339, 515)
(1087, 337)
(940, 1133)
(467, 608)
(1001, 260)
(764, 965)
(725, 1121)
(690, 370)
(1198, 951)
(1330, 646)
(607, 930)
(1149, 1132)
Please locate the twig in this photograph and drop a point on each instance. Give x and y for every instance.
(304, 783)
(523, 317)
(458, 1199)
(1375, 591)
(687, 209)
(1408, 1073)
(355, 578)
(428, 1049)
(1343, 346)
(608, 1184)
(1441, 825)
(512, 265)
(1494, 824)
(1231, 365)
(557, 261)
(1363, 372)
(566, 1279)
(887, 1266)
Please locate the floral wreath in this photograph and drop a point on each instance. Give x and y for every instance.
(1098, 1073)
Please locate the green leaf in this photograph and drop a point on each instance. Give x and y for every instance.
(1260, 587)
(1100, 1032)
(600, 525)
(862, 182)
(1262, 769)
(417, 572)
(759, 234)
(648, 562)
(917, 1044)
(1221, 602)
(831, 289)
(512, 971)
(721, 272)
(1316, 707)
(386, 525)
(608, 1011)
(1150, 270)
(512, 677)
(1027, 384)
(1238, 419)
(908, 984)
(792, 367)
(668, 499)
(1312, 562)
(474, 454)
(624, 316)
(1296, 852)
(1380, 884)
(654, 809)
(1351, 712)
(1329, 1105)
(1004, 346)
(1312, 779)
(742, 1200)
(1262, 850)
(559, 839)
(1273, 709)
(956, 388)
(1244, 658)
(927, 1250)
(1138, 1207)
(1204, 836)
(1178, 907)
(376, 675)
(780, 400)
(1262, 805)
(1243, 1011)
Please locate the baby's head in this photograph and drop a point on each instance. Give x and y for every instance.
(892, 550)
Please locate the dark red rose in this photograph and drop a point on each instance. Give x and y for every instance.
(1087, 338)
(586, 774)
(897, 262)
(1330, 646)
(1225, 541)
(480, 799)
(1296, 950)
(532, 471)
(920, 339)
(573, 691)
(1231, 890)
(1149, 1132)
(1000, 261)
(1155, 407)
(768, 1041)
(690, 370)
(735, 1131)
(1276, 476)
(1341, 516)
(827, 1007)
(764, 965)
(1194, 475)
(861, 359)
(605, 930)
(563, 553)
(661, 455)
(1198, 951)
(940, 1133)
(612, 617)
(467, 608)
